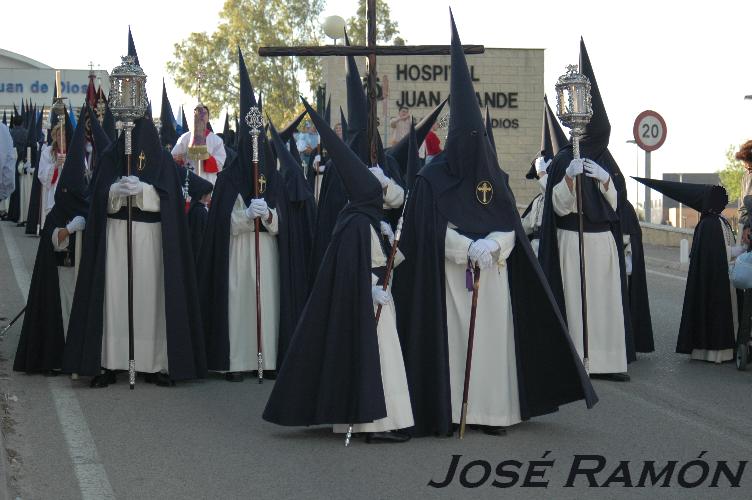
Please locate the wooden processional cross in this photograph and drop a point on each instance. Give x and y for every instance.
(371, 50)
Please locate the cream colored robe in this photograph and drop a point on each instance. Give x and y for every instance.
(605, 313)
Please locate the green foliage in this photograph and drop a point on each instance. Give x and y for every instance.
(731, 175)
(250, 24)
(386, 29)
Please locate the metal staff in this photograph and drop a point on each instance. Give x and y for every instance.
(128, 103)
(12, 322)
(256, 124)
(393, 254)
(574, 109)
(316, 173)
(470, 341)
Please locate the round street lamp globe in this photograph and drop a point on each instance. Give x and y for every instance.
(334, 27)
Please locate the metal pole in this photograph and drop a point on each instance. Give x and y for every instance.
(648, 217)
(469, 354)
(128, 127)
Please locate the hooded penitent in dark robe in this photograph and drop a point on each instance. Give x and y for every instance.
(168, 136)
(342, 367)
(332, 197)
(40, 347)
(708, 322)
(34, 212)
(167, 324)
(227, 260)
(552, 140)
(459, 199)
(198, 210)
(610, 340)
(297, 210)
(399, 151)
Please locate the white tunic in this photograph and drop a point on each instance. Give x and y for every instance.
(149, 320)
(216, 148)
(241, 308)
(399, 413)
(493, 396)
(719, 356)
(534, 220)
(66, 277)
(605, 314)
(46, 173)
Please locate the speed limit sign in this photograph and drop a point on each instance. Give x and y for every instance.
(649, 130)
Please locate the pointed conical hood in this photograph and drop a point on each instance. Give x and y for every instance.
(286, 133)
(705, 198)
(132, 47)
(413, 160)
(198, 186)
(328, 111)
(294, 151)
(469, 188)
(363, 189)
(357, 102)
(598, 130)
(70, 194)
(400, 150)
(247, 100)
(108, 124)
(186, 128)
(295, 183)
(167, 133)
(226, 127)
(465, 120)
(489, 130)
(553, 138)
(343, 124)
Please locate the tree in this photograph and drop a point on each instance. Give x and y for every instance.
(732, 173)
(250, 24)
(386, 29)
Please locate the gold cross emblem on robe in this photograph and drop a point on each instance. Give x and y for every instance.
(484, 192)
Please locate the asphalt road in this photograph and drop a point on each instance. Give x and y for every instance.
(206, 439)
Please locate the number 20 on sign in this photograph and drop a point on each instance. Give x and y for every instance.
(649, 130)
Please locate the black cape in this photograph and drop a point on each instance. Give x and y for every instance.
(198, 217)
(332, 373)
(707, 320)
(185, 343)
(547, 377)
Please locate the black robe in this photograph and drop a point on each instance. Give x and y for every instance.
(332, 373)
(549, 373)
(185, 343)
(198, 216)
(596, 210)
(40, 346)
(33, 215)
(707, 320)
(296, 209)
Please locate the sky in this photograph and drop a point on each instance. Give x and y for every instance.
(688, 61)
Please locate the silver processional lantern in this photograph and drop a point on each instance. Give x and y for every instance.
(127, 97)
(573, 104)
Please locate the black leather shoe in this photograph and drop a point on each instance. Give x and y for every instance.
(492, 430)
(160, 379)
(234, 376)
(103, 379)
(387, 437)
(614, 377)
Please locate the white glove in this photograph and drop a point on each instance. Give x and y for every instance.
(575, 168)
(257, 208)
(77, 224)
(628, 264)
(126, 187)
(317, 159)
(386, 230)
(379, 174)
(21, 168)
(480, 252)
(595, 171)
(541, 165)
(736, 250)
(321, 167)
(380, 296)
